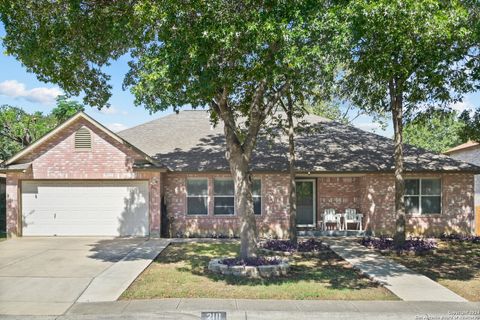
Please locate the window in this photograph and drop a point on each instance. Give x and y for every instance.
(423, 196)
(83, 139)
(257, 196)
(197, 196)
(224, 199)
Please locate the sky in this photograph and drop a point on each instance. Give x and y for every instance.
(21, 88)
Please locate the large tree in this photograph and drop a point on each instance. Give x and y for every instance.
(19, 128)
(403, 55)
(233, 57)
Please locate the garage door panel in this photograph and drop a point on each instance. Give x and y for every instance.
(114, 208)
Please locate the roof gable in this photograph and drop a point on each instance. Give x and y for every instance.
(80, 116)
(467, 145)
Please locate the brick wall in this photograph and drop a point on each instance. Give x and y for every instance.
(337, 193)
(272, 222)
(378, 204)
(58, 159)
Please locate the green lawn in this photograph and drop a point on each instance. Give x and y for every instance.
(181, 272)
(456, 265)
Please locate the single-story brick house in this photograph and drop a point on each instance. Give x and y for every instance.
(82, 179)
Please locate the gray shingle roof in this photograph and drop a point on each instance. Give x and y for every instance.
(188, 142)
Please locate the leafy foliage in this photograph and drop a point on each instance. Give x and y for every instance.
(460, 237)
(252, 261)
(421, 44)
(435, 130)
(66, 108)
(471, 128)
(413, 244)
(19, 128)
(310, 245)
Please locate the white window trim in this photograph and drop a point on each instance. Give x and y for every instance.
(260, 197)
(223, 196)
(191, 196)
(314, 183)
(419, 195)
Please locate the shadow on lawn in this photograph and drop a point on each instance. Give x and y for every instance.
(452, 261)
(327, 268)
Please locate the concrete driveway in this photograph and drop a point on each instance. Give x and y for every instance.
(45, 276)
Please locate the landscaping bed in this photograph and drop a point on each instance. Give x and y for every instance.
(181, 271)
(455, 265)
(255, 267)
(309, 247)
(413, 246)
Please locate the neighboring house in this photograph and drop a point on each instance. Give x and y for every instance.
(82, 179)
(2, 204)
(470, 152)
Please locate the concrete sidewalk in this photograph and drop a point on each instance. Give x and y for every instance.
(267, 309)
(403, 282)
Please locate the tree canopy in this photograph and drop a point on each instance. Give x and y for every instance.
(471, 125)
(435, 130)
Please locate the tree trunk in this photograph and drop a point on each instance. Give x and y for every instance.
(397, 117)
(244, 205)
(238, 155)
(291, 164)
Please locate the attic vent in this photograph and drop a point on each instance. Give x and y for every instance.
(83, 139)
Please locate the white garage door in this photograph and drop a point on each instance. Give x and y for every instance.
(85, 208)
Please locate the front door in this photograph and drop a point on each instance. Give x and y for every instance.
(305, 202)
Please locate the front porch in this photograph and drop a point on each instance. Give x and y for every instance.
(330, 206)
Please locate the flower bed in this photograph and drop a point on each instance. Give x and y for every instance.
(287, 247)
(252, 267)
(411, 245)
(460, 238)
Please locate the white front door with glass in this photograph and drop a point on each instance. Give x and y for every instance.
(306, 203)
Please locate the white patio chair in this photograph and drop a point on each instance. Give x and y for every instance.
(351, 216)
(329, 216)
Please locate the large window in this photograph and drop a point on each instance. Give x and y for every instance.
(423, 196)
(197, 196)
(224, 199)
(257, 196)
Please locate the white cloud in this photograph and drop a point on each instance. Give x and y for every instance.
(115, 127)
(15, 89)
(462, 106)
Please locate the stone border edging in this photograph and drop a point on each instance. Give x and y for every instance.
(266, 271)
(290, 253)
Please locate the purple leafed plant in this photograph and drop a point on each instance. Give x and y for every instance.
(251, 262)
(459, 237)
(411, 244)
(310, 245)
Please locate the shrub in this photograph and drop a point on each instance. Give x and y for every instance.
(411, 244)
(251, 262)
(310, 245)
(459, 237)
